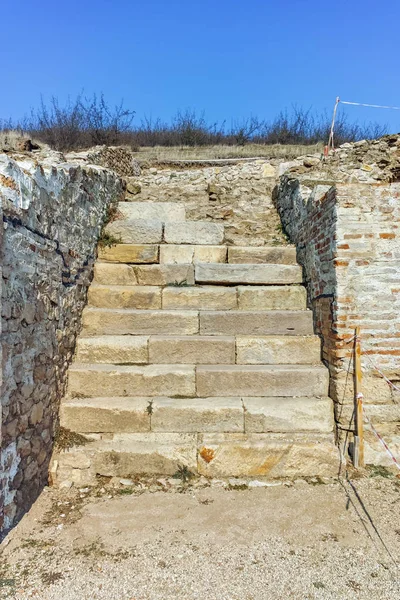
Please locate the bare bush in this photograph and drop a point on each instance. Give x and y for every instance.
(81, 123)
(86, 122)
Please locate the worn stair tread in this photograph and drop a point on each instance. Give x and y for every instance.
(194, 232)
(190, 253)
(158, 414)
(136, 231)
(104, 321)
(124, 296)
(266, 274)
(131, 380)
(106, 415)
(284, 414)
(127, 454)
(163, 211)
(278, 349)
(191, 349)
(129, 253)
(143, 274)
(253, 322)
(284, 255)
(201, 297)
(115, 349)
(262, 380)
(269, 455)
(272, 297)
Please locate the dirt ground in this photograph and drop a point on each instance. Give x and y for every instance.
(165, 540)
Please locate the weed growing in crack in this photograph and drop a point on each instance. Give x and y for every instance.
(183, 473)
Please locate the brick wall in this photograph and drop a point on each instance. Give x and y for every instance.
(348, 242)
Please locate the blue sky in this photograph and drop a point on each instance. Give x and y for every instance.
(230, 58)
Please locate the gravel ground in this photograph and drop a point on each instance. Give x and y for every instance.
(152, 541)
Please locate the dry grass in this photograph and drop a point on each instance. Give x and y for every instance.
(279, 151)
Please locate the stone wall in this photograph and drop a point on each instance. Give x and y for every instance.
(348, 241)
(52, 214)
(238, 195)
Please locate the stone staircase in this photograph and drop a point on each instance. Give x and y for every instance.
(196, 354)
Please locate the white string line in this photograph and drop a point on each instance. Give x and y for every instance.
(382, 374)
(370, 105)
(380, 438)
(374, 365)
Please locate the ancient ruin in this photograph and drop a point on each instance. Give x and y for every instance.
(210, 328)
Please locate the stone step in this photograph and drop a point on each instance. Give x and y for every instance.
(134, 290)
(127, 454)
(261, 380)
(178, 254)
(262, 254)
(191, 350)
(200, 297)
(288, 414)
(270, 456)
(267, 455)
(198, 349)
(278, 349)
(174, 275)
(114, 349)
(106, 415)
(160, 211)
(136, 231)
(114, 274)
(194, 232)
(123, 274)
(197, 415)
(272, 297)
(256, 323)
(105, 380)
(267, 274)
(129, 253)
(124, 296)
(107, 321)
(158, 414)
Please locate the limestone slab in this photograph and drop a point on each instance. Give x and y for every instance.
(106, 321)
(148, 454)
(197, 415)
(280, 415)
(114, 274)
(115, 349)
(272, 297)
(123, 296)
(194, 232)
(128, 454)
(119, 380)
(129, 253)
(274, 322)
(165, 274)
(136, 231)
(210, 254)
(160, 211)
(172, 254)
(262, 254)
(278, 349)
(183, 253)
(267, 455)
(192, 349)
(105, 415)
(267, 274)
(200, 297)
(261, 380)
